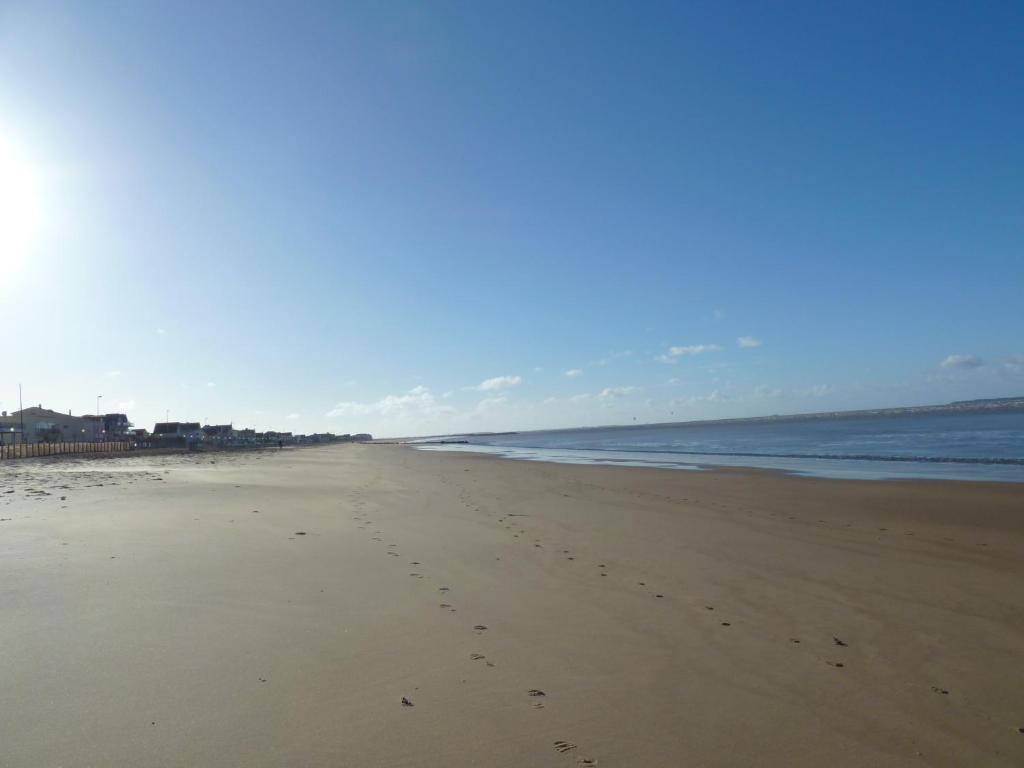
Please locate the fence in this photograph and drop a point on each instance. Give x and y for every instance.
(34, 450)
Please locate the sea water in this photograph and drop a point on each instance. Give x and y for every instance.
(951, 446)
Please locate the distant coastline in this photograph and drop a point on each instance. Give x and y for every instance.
(983, 405)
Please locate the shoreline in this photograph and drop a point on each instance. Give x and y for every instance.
(509, 453)
(275, 608)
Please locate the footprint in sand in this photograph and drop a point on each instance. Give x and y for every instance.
(837, 664)
(564, 746)
(416, 575)
(943, 691)
(480, 627)
(535, 692)
(839, 642)
(476, 656)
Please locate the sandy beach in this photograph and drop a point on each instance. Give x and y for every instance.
(274, 609)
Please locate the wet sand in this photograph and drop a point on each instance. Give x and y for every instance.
(270, 609)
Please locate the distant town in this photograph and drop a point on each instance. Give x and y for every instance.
(37, 425)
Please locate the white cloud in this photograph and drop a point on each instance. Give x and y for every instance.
(293, 416)
(418, 400)
(617, 391)
(499, 382)
(674, 353)
(747, 342)
(161, 332)
(210, 384)
(580, 397)
(962, 361)
(764, 390)
(1015, 363)
(572, 373)
(693, 349)
(820, 390)
(113, 374)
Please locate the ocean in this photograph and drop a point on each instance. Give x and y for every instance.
(943, 446)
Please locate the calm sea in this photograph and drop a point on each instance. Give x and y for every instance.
(960, 446)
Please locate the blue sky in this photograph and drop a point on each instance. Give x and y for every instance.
(413, 218)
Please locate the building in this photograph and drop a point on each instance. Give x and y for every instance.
(111, 426)
(167, 430)
(220, 433)
(41, 425)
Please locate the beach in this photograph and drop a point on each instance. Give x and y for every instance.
(372, 605)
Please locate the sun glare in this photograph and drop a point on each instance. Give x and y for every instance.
(19, 206)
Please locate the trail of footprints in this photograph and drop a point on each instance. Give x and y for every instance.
(533, 693)
(510, 523)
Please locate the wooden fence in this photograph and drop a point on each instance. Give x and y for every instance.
(34, 450)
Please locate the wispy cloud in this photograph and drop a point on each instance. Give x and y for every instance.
(747, 342)
(962, 362)
(210, 384)
(499, 382)
(490, 403)
(418, 400)
(572, 373)
(617, 391)
(612, 357)
(161, 332)
(1015, 363)
(293, 416)
(113, 374)
(675, 353)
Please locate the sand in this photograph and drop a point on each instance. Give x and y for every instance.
(274, 609)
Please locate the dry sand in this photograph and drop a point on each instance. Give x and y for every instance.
(168, 613)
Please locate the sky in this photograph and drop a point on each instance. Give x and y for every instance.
(412, 218)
